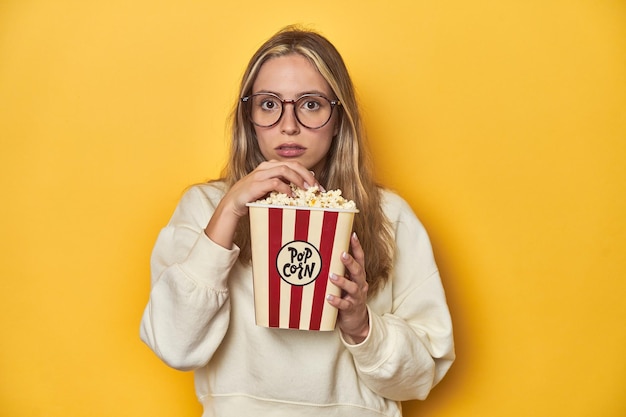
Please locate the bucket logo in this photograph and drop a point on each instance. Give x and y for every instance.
(299, 263)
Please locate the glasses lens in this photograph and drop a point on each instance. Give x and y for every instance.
(265, 109)
(313, 111)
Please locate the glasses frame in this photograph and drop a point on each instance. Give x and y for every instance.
(333, 103)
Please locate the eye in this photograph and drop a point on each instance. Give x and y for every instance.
(267, 103)
(311, 103)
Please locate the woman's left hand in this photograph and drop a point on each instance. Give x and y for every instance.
(353, 318)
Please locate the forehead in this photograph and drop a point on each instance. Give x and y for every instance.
(290, 75)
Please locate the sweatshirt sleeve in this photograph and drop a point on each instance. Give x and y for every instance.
(188, 311)
(409, 348)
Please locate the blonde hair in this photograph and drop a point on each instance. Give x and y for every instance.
(348, 165)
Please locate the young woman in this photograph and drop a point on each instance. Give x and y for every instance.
(297, 121)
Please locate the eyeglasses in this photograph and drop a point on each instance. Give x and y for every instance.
(311, 110)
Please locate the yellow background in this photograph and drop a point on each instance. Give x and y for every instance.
(503, 123)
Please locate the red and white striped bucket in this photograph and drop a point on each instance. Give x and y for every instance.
(294, 249)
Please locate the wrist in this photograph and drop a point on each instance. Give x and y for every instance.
(222, 225)
(359, 334)
(358, 338)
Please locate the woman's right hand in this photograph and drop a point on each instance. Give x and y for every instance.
(267, 177)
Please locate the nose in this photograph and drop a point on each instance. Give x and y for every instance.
(288, 123)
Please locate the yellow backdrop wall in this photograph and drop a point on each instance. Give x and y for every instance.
(503, 123)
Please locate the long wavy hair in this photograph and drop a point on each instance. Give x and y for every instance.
(348, 165)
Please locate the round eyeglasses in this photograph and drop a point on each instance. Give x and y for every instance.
(311, 110)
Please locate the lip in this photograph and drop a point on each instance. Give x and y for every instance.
(290, 150)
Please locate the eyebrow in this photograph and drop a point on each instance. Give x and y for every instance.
(300, 94)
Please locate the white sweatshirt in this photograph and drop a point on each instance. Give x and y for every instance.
(200, 316)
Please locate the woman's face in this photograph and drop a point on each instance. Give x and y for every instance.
(289, 77)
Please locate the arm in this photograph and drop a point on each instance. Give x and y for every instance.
(408, 349)
(188, 311)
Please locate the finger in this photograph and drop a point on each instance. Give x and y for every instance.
(357, 250)
(267, 178)
(292, 172)
(339, 303)
(356, 271)
(256, 185)
(351, 288)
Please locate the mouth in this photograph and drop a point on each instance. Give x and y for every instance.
(290, 150)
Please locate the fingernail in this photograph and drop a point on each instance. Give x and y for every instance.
(321, 188)
(330, 297)
(332, 276)
(306, 185)
(312, 173)
(344, 255)
(354, 236)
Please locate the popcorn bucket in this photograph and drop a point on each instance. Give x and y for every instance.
(294, 249)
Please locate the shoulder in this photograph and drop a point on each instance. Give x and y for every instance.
(394, 206)
(413, 247)
(198, 203)
(210, 193)
(400, 214)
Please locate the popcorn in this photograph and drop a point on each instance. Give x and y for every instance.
(296, 243)
(312, 197)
